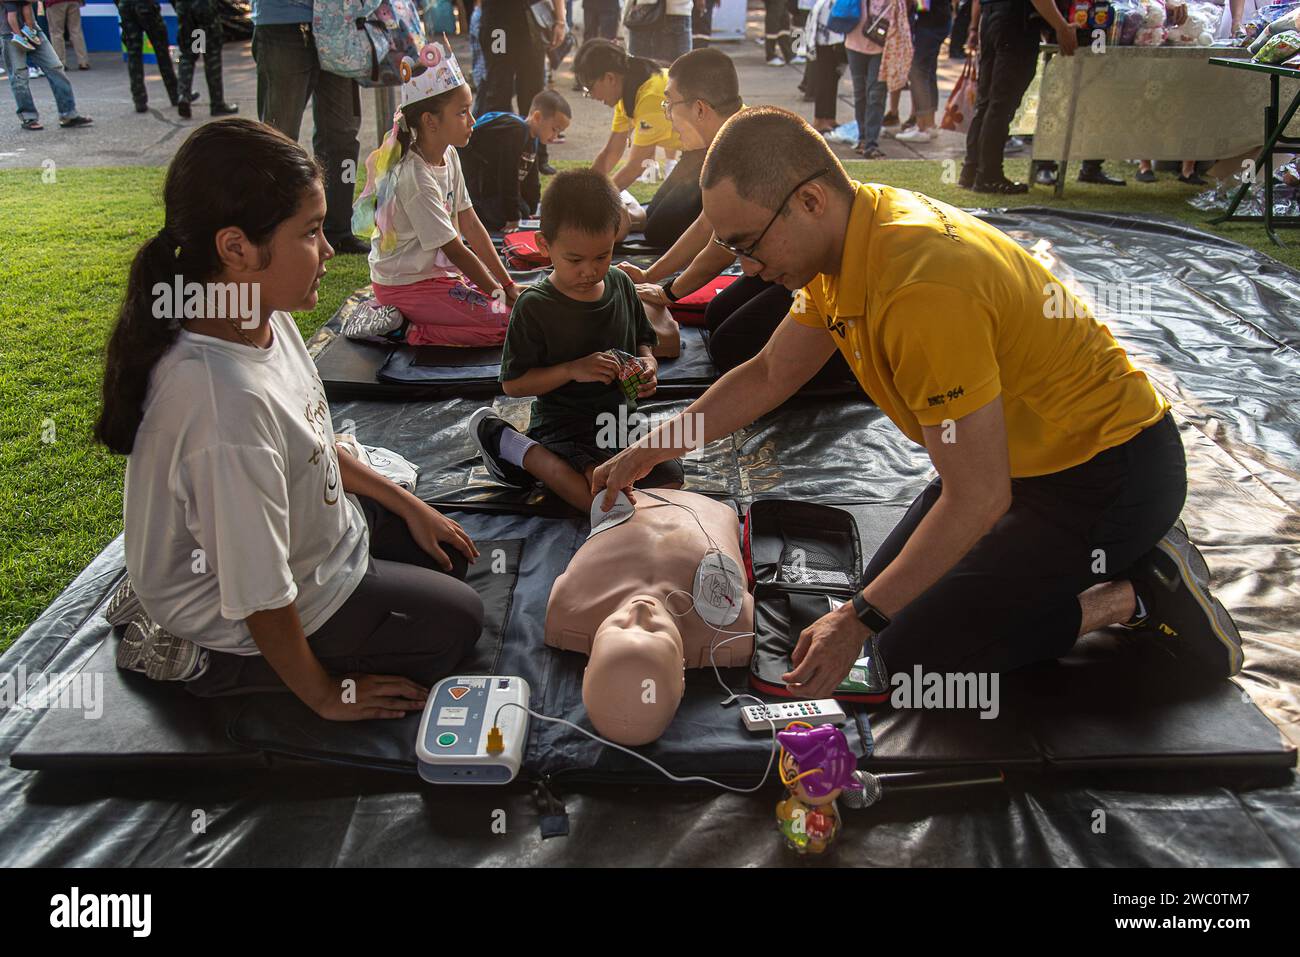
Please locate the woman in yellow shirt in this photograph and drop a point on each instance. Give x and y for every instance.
(634, 87)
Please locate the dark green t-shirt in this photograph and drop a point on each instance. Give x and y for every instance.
(548, 328)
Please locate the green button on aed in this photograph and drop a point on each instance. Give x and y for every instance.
(447, 739)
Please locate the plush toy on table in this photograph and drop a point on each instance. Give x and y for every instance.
(816, 765)
(1198, 29)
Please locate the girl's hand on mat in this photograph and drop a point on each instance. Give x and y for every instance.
(826, 650)
(649, 378)
(636, 273)
(429, 527)
(652, 294)
(597, 367)
(360, 697)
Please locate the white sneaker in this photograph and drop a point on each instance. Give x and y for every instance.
(917, 136)
(776, 61)
(799, 58)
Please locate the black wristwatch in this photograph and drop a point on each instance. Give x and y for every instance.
(667, 287)
(869, 614)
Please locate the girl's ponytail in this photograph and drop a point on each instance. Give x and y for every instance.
(138, 341)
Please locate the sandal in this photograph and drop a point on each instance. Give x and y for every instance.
(32, 125)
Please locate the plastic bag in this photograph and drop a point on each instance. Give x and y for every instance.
(1279, 48)
(1125, 23)
(1287, 21)
(1266, 15)
(961, 102)
(1149, 37)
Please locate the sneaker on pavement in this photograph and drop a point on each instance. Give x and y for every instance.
(776, 61)
(1173, 582)
(916, 136)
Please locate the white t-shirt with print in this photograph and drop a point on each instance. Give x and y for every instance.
(234, 503)
(425, 202)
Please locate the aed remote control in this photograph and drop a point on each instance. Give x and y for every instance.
(761, 717)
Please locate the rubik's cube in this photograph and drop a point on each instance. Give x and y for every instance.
(629, 372)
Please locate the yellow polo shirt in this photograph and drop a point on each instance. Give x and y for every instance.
(938, 313)
(648, 125)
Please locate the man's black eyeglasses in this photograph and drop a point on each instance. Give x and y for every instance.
(748, 252)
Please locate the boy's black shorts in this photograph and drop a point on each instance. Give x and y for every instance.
(575, 441)
(16, 7)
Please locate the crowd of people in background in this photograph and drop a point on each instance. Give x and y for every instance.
(893, 46)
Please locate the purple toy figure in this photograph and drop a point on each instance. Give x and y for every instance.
(816, 765)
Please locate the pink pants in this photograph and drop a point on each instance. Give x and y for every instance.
(447, 312)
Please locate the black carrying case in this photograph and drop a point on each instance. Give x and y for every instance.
(802, 559)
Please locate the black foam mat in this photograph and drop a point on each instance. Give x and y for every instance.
(1104, 703)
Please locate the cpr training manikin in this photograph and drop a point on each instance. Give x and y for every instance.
(645, 597)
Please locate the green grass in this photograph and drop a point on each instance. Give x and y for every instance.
(64, 254)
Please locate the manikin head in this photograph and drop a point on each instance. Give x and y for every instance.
(773, 188)
(635, 673)
(703, 90)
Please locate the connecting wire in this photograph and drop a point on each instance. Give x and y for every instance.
(641, 757)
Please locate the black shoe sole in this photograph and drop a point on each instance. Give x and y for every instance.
(1185, 614)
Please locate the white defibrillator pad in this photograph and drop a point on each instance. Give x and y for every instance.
(719, 590)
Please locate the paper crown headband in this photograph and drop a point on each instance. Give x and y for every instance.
(441, 73)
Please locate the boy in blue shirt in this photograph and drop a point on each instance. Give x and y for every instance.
(500, 161)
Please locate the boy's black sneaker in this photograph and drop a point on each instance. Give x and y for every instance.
(485, 428)
(1173, 582)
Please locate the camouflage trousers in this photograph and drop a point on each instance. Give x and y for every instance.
(141, 18)
(199, 27)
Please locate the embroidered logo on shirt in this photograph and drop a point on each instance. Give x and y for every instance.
(645, 125)
(836, 326)
(949, 227)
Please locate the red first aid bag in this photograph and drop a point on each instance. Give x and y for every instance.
(521, 250)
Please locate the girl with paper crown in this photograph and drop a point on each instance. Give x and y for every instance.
(430, 257)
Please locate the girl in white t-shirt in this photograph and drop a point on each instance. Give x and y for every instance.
(430, 256)
(247, 534)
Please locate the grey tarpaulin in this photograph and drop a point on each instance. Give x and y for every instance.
(1219, 337)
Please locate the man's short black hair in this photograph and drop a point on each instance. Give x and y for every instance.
(580, 199)
(549, 102)
(765, 151)
(709, 75)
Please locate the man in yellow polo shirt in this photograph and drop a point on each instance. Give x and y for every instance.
(1060, 470)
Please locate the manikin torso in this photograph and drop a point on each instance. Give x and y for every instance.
(625, 601)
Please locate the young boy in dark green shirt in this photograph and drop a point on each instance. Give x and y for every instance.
(559, 348)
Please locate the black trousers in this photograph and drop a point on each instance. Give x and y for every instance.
(776, 29)
(516, 68)
(141, 18)
(407, 617)
(826, 69)
(1012, 599)
(1008, 55)
(194, 16)
(677, 203)
(960, 29)
(743, 317)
